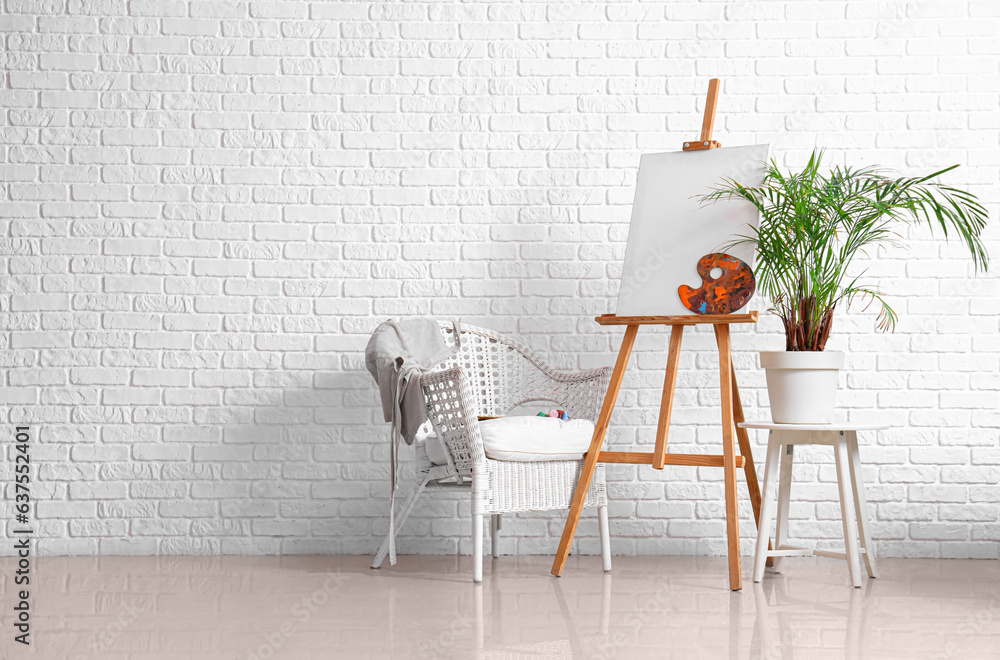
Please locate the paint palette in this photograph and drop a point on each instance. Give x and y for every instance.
(724, 294)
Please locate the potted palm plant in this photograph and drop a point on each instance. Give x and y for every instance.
(814, 227)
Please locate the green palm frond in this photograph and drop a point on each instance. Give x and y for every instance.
(815, 225)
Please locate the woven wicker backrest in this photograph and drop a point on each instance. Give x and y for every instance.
(502, 372)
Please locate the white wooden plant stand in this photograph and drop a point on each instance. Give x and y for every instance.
(843, 437)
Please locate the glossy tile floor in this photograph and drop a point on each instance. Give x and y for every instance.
(257, 608)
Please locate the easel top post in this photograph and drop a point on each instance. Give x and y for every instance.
(708, 121)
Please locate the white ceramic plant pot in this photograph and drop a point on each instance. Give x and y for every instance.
(802, 385)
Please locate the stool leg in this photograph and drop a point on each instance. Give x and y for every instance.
(847, 511)
(861, 504)
(784, 496)
(766, 506)
(764, 626)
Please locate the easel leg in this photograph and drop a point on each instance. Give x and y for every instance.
(746, 450)
(667, 402)
(729, 455)
(590, 461)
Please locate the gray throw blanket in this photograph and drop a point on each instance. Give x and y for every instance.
(397, 354)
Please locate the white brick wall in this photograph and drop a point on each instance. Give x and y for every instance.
(208, 205)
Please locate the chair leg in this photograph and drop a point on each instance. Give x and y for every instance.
(784, 496)
(606, 604)
(602, 519)
(383, 550)
(766, 507)
(480, 484)
(494, 534)
(847, 512)
(480, 624)
(477, 547)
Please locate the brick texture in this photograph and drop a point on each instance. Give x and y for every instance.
(207, 206)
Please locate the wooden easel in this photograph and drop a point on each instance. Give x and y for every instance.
(732, 407)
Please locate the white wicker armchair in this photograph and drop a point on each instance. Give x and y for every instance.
(490, 375)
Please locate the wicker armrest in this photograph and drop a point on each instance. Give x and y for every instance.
(582, 392)
(453, 413)
(585, 375)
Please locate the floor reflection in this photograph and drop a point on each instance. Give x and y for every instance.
(782, 620)
(246, 608)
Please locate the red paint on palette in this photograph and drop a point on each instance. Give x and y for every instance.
(719, 295)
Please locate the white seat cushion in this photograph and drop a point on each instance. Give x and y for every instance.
(536, 438)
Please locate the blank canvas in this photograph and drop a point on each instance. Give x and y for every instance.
(671, 229)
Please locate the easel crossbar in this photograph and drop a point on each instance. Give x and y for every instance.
(646, 458)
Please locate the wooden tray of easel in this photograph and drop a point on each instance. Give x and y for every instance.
(732, 407)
